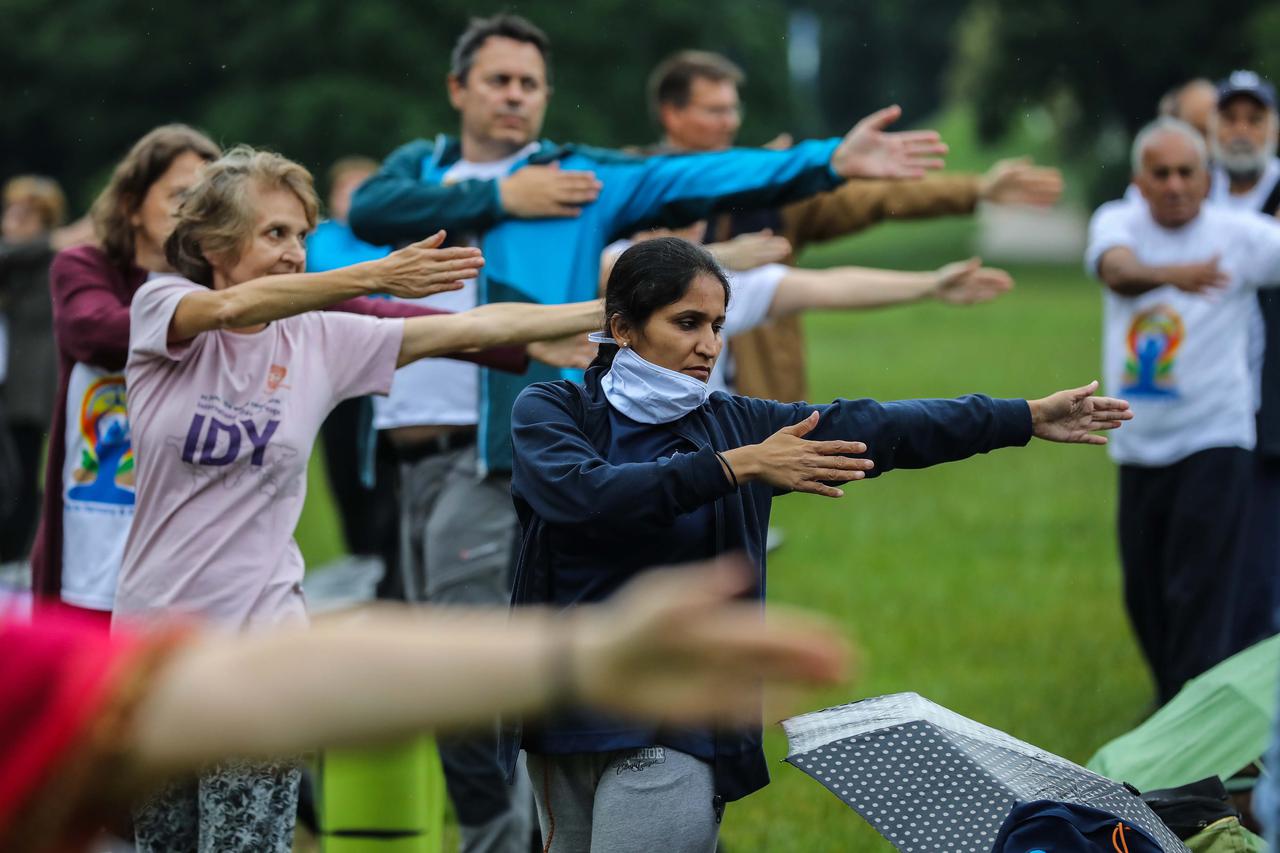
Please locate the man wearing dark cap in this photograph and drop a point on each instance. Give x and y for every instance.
(1243, 140)
(1246, 176)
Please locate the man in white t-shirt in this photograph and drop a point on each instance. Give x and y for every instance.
(1176, 329)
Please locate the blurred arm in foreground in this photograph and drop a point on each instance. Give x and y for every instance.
(133, 710)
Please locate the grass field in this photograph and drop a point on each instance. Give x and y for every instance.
(990, 586)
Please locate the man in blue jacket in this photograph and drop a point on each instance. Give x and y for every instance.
(542, 213)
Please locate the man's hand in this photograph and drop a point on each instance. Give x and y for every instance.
(1019, 181)
(573, 351)
(748, 251)
(868, 151)
(78, 232)
(1203, 277)
(969, 282)
(781, 142)
(546, 192)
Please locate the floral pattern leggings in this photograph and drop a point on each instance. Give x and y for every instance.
(234, 807)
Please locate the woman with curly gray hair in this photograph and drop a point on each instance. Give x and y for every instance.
(232, 368)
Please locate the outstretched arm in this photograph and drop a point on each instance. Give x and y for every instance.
(1075, 415)
(1121, 271)
(960, 283)
(809, 450)
(678, 189)
(673, 645)
(500, 324)
(415, 271)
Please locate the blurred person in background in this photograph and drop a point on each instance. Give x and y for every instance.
(30, 233)
(1242, 140)
(368, 515)
(642, 461)
(357, 457)
(90, 722)
(232, 368)
(693, 96)
(1194, 102)
(769, 291)
(89, 472)
(542, 213)
(1181, 277)
(1245, 176)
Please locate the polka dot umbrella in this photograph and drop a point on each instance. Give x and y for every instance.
(931, 780)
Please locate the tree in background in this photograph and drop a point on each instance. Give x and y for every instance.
(1100, 66)
(317, 80)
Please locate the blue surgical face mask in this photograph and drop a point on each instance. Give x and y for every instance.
(647, 393)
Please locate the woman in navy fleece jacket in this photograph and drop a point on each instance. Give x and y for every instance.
(634, 468)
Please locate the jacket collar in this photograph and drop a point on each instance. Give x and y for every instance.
(447, 150)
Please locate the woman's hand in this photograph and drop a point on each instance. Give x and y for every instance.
(786, 460)
(1072, 416)
(423, 268)
(969, 282)
(680, 645)
(748, 251)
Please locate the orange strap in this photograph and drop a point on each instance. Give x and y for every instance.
(1121, 845)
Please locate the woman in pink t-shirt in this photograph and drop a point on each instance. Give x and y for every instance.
(231, 371)
(89, 494)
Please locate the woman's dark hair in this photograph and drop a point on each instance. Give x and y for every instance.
(648, 276)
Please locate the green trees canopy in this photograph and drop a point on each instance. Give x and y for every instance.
(317, 80)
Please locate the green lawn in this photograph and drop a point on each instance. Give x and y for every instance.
(990, 586)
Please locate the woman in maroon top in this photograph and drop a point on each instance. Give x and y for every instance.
(88, 497)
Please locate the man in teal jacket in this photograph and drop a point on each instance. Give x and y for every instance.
(542, 233)
(542, 213)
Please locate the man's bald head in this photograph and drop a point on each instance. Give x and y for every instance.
(1171, 169)
(1194, 103)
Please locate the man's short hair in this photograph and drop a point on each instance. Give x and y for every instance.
(672, 81)
(503, 25)
(1160, 127)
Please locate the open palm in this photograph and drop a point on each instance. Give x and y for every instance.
(869, 151)
(1073, 416)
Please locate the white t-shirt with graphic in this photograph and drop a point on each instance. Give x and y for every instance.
(97, 485)
(223, 426)
(751, 294)
(1181, 359)
(442, 391)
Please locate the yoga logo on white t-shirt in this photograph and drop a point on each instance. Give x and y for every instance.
(1153, 341)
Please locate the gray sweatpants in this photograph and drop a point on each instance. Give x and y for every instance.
(457, 535)
(629, 801)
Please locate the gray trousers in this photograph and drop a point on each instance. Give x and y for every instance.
(235, 807)
(457, 535)
(629, 801)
